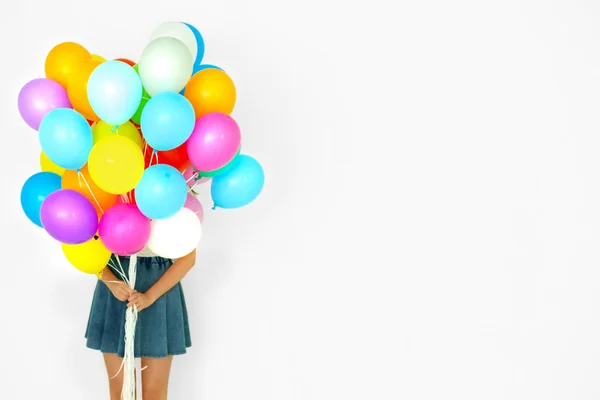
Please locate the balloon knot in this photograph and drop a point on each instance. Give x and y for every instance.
(96, 237)
(154, 151)
(78, 171)
(114, 129)
(214, 207)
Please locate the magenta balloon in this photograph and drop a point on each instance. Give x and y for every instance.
(124, 230)
(214, 142)
(69, 217)
(194, 204)
(40, 96)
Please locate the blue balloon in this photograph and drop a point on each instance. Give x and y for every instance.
(167, 121)
(162, 192)
(239, 185)
(34, 192)
(199, 41)
(66, 138)
(114, 91)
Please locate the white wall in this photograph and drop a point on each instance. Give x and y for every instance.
(430, 224)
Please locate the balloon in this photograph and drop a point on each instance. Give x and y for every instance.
(177, 158)
(211, 90)
(239, 185)
(77, 89)
(179, 31)
(34, 192)
(126, 61)
(161, 192)
(63, 60)
(115, 92)
(167, 121)
(191, 176)
(47, 165)
(90, 257)
(116, 164)
(69, 217)
(124, 230)
(137, 117)
(85, 185)
(96, 57)
(66, 138)
(199, 44)
(101, 129)
(192, 203)
(210, 174)
(165, 66)
(214, 142)
(38, 97)
(176, 236)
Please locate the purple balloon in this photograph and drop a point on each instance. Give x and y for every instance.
(69, 217)
(40, 96)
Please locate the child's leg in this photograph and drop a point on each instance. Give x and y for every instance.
(155, 378)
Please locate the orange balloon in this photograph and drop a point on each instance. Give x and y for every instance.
(63, 60)
(211, 90)
(71, 180)
(77, 89)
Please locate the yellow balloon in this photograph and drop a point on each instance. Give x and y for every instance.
(47, 165)
(63, 60)
(116, 164)
(98, 58)
(90, 257)
(101, 130)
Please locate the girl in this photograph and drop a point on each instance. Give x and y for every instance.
(162, 329)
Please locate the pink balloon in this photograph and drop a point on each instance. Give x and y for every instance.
(192, 203)
(124, 230)
(40, 96)
(214, 142)
(189, 173)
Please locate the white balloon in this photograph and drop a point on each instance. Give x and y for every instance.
(180, 31)
(166, 65)
(176, 236)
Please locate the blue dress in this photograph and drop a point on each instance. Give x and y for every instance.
(162, 329)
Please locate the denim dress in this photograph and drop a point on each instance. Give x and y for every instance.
(162, 329)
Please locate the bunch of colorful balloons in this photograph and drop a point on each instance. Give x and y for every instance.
(124, 143)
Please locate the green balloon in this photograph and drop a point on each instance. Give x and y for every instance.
(137, 117)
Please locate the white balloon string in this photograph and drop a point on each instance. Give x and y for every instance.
(194, 176)
(131, 316)
(154, 153)
(81, 177)
(145, 148)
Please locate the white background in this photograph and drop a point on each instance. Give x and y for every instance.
(430, 223)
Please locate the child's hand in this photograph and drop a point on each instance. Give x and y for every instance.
(120, 290)
(140, 300)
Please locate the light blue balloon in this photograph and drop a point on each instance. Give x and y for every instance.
(114, 91)
(34, 192)
(199, 41)
(66, 138)
(162, 192)
(167, 121)
(239, 185)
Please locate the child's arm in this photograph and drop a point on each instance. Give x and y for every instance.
(118, 288)
(170, 278)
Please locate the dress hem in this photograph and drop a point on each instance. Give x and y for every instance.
(170, 354)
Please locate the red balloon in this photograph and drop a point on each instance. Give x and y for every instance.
(177, 158)
(126, 61)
